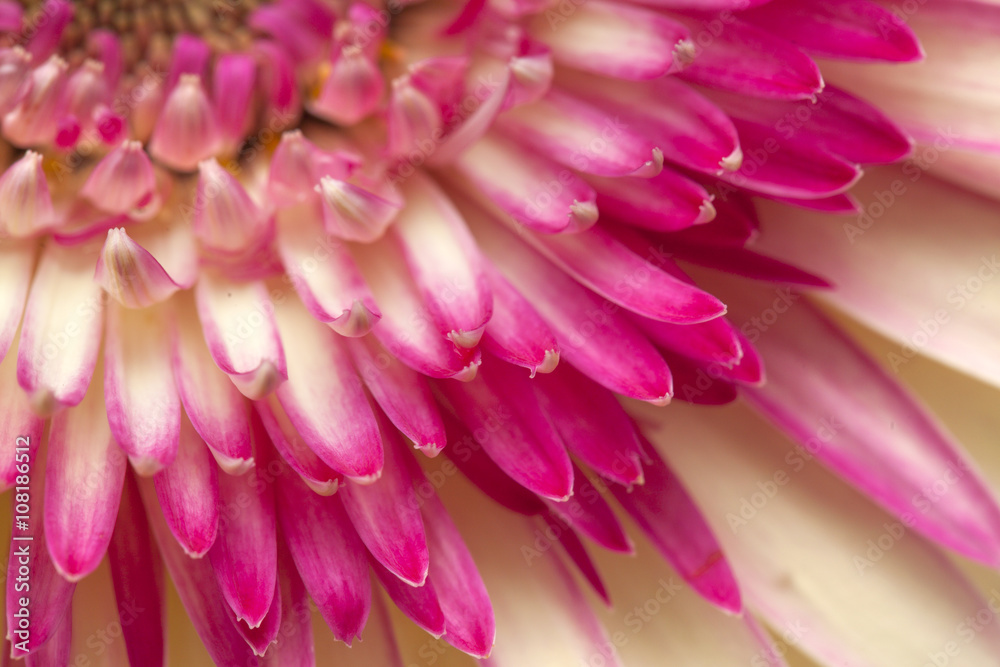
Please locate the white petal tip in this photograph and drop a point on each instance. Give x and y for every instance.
(661, 401)
(706, 212)
(232, 466)
(467, 339)
(583, 213)
(733, 161)
(467, 374)
(652, 167)
(323, 488)
(145, 466)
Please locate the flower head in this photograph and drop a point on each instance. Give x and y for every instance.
(256, 253)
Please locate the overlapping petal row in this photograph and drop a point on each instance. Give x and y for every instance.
(243, 278)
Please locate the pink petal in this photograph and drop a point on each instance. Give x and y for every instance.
(196, 586)
(130, 274)
(468, 613)
(34, 121)
(323, 272)
(186, 132)
(143, 408)
(324, 398)
(85, 471)
(591, 334)
(520, 438)
(386, 514)
(571, 544)
(614, 40)
(402, 393)
(225, 219)
(264, 635)
(670, 518)
(294, 645)
(419, 603)
(19, 425)
(592, 424)
(684, 125)
(25, 201)
(294, 450)
(238, 322)
(852, 30)
(122, 180)
(188, 493)
(516, 334)
(244, 555)
(356, 212)
(413, 121)
(492, 90)
(666, 203)
(714, 341)
(599, 261)
(353, 89)
(444, 262)
(530, 188)
(406, 328)
(891, 449)
(217, 410)
(137, 573)
(588, 513)
(584, 137)
(333, 561)
(748, 60)
(233, 87)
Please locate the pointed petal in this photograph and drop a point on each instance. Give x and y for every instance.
(294, 646)
(748, 60)
(225, 219)
(516, 333)
(354, 212)
(333, 561)
(58, 648)
(61, 333)
(323, 272)
(592, 424)
(591, 334)
(17, 262)
(444, 262)
(24, 197)
(386, 514)
(577, 553)
(186, 132)
(860, 422)
(122, 180)
(245, 553)
(500, 407)
(195, 584)
(401, 392)
(217, 410)
(672, 521)
(324, 398)
(137, 573)
(188, 493)
(19, 425)
(264, 635)
(588, 513)
(143, 407)
(419, 603)
(238, 322)
(407, 328)
(666, 203)
(130, 274)
(599, 261)
(84, 475)
(294, 450)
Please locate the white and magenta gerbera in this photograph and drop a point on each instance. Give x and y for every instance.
(256, 253)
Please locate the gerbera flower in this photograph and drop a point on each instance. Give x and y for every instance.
(256, 254)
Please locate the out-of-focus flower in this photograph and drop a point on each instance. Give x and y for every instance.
(255, 253)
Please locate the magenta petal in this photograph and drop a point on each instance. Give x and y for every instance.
(137, 574)
(294, 450)
(516, 333)
(196, 586)
(19, 425)
(846, 30)
(419, 603)
(499, 406)
(668, 515)
(591, 334)
(856, 419)
(261, 637)
(748, 60)
(593, 425)
(333, 561)
(599, 261)
(468, 613)
(386, 513)
(294, 646)
(218, 412)
(188, 493)
(716, 341)
(58, 648)
(324, 398)
(401, 392)
(83, 487)
(665, 203)
(245, 553)
(571, 544)
(588, 513)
